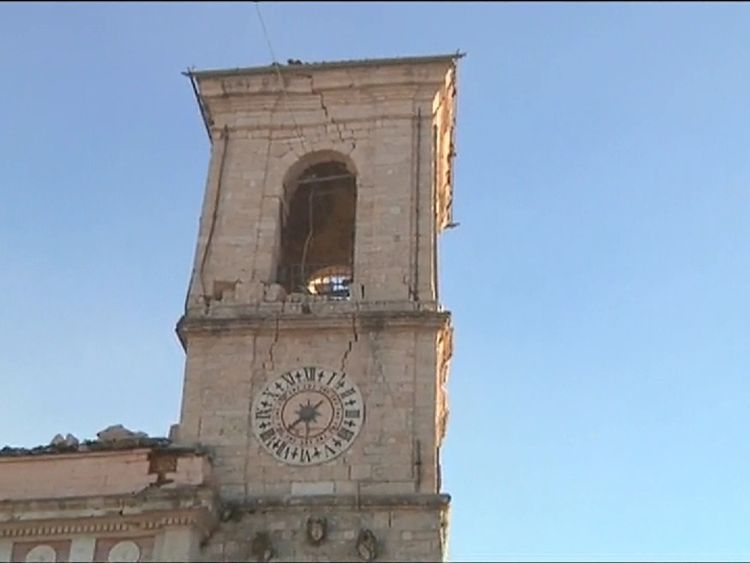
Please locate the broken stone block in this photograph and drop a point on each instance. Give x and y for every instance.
(296, 297)
(69, 441)
(119, 433)
(57, 441)
(273, 293)
(249, 292)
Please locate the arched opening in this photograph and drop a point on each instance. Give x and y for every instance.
(317, 237)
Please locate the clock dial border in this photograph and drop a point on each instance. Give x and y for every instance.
(308, 415)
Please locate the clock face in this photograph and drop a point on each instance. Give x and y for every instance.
(308, 415)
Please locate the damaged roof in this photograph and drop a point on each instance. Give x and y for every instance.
(88, 446)
(113, 438)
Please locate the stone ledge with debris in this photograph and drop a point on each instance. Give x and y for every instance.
(115, 437)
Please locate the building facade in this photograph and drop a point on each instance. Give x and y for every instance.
(317, 352)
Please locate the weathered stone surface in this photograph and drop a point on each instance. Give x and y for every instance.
(391, 125)
(212, 492)
(118, 433)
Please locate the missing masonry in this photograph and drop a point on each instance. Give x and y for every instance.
(317, 238)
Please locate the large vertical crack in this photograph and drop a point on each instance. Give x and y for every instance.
(270, 359)
(350, 344)
(340, 128)
(261, 207)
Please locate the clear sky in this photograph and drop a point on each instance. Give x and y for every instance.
(598, 280)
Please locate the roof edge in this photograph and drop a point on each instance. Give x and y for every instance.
(215, 73)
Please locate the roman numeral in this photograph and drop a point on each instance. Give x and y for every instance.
(267, 435)
(351, 413)
(289, 378)
(263, 413)
(310, 374)
(268, 393)
(345, 434)
(346, 393)
(304, 456)
(281, 447)
(330, 450)
(330, 379)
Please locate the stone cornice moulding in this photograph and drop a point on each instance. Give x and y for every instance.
(299, 81)
(137, 452)
(259, 322)
(115, 514)
(268, 125)
(129, 525)
(329, 65)
(414, 501)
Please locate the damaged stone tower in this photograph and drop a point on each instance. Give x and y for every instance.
(316, 347)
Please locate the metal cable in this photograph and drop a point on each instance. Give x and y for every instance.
(276, 64)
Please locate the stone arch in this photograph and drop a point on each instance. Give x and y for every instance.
(318, 225)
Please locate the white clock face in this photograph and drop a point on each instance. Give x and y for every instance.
(308, 415)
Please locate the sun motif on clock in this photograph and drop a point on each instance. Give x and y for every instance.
(308, 415)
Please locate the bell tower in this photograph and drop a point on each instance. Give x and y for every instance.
(316, 348)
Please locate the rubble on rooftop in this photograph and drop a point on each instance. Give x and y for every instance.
(115, 437)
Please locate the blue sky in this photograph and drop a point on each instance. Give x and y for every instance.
(598, 280)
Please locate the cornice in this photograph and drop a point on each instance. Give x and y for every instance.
(109, 514)
(396, 501)
(131, 524)
(238, 320)
(267, 69)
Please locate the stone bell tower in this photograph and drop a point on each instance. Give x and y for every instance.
(317, 349)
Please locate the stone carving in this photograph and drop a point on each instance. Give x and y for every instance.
(317, 528)
(41, 554)
(118, 433)
(124, 552)
(367, 545)
(261, 547)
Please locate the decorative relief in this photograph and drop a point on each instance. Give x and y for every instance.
(316, 530)
(47, 552)
(367, 545)
(41, 554)
(23, 529)
(124, 552)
